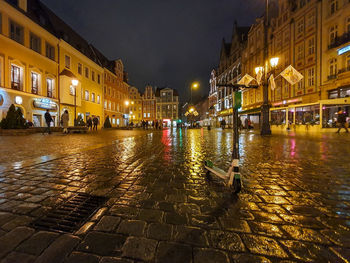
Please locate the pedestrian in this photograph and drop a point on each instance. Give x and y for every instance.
(246, 123)
(341, 122)
(64, 121)
(156, 124)
(95, 121)
(89, 123)
(48, 120)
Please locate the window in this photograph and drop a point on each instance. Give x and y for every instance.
(80, 68)
(72, 90)
(35, 43)
(333, 33)
(50, 51)
(332, 67)
(98, 78)
(333, 6)
(311, 77)
(16, 77)
(93, 75)
(347, 25)
(67, 61)
(307, 115)
(300, 52)
(311, 49)
(330, 115)
(49, 86)
(86, 72)
(98, 99)
(87, 95)
(300, 26)
(109, 105)
(35, 82)
(148, 115)
(105, 104)
(144, 115)
(93, 97)
(16, 32)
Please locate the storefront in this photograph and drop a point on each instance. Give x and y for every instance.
(253, 115)
(316, 117)
(33, 107)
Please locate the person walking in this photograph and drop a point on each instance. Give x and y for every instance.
(95, 122)
(65, 120)
(89, 123)
(341, 122)
(48, 120)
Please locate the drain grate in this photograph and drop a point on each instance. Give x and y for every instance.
(71, 215)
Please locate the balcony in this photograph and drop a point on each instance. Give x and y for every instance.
(330, 77)
(338, 41)
(343, 70)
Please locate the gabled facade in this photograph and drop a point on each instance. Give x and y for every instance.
(167, 106)
(135, 106)
(149, 104)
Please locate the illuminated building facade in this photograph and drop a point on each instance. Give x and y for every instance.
(167, 106)
(135, 106)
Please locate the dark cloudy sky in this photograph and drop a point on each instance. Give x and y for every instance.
(161, 42)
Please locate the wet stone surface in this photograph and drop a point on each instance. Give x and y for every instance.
(294, 206)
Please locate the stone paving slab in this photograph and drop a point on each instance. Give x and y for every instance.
(294, 206)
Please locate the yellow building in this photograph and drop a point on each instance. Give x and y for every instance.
(28, 63)
(78, 62)
(135, 106)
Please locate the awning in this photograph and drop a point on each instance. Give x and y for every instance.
(251, 111)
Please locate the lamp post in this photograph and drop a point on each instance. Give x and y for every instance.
(194, 85)
(265, 108)
(127, 110)
(75, 83)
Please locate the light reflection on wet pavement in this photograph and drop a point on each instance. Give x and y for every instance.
(294, 206)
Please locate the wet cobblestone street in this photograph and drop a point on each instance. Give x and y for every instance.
(294, 205)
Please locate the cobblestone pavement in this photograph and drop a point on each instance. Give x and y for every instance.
(294, 206)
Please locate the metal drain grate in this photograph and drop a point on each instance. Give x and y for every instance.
(71, 215)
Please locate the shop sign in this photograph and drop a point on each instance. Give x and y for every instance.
(46, 104)
(285, 102)
(343, 50)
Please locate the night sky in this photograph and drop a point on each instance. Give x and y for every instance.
(161, 42)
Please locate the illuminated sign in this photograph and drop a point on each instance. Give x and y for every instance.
(343, 50)
(45, 104)
(18, 100)
(287, 102)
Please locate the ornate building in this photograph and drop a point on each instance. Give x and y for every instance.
(167, 100)
(149, 104)
(135, 106)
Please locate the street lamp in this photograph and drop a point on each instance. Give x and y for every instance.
(265, 108)
(75, 83)
(194, 85)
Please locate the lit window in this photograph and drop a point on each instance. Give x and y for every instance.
(333, 6)
(87, 95)
(16, 77)
(93, 97)
(98, 99)
(105, 104)
(35, 82)
(72, 90)
(311, 77)
(49, 86)
(311, 46)
(333, 33)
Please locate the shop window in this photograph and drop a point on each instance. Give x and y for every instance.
(290, 116)
(50, 88)
(278, 117)
(67, 61)
(333, 94)
(35, 82)
(87, 95)
(16, 77)
(307, 115)
(80, 68)
(35, 43)
(37, 120)
(50, 51)
(330, 115)
(16, 32)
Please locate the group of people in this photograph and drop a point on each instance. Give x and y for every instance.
(91, 123)
(155, 125)
(247, 124)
